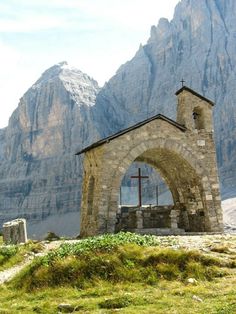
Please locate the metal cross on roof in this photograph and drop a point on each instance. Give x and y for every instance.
(182, 81)
(139, 177)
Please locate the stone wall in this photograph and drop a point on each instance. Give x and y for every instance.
(147, 217)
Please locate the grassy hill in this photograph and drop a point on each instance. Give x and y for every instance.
(128, 273)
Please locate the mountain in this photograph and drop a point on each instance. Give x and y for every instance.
(198, 45)
(65, 110)
(40, 175)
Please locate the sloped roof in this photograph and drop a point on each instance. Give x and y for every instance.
(194, 93)
(135, 126)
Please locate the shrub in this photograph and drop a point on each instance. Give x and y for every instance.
(51, 236)
(6, 252)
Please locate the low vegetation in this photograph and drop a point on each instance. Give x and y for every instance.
(127, 263)
(51, 236)
(11, 255)
(127, 273)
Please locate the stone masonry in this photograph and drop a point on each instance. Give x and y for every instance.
(182, 151)
(14, 231)
(146, 217)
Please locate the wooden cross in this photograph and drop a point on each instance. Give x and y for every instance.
(139, 177)
(182, 81)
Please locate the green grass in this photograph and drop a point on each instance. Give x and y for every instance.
(118, 258)
(220, 248)
(106, 242)
(127, 263)
(125, 273)
(11, 255)
(131, 298)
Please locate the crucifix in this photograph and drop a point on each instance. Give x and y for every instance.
(139, 177)
(182, 81)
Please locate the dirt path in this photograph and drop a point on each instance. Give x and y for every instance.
(8, 274)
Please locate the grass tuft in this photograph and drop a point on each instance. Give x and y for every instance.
(223, 248)
(116, 303)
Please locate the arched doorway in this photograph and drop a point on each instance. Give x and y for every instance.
(189, 209)
(143, 185)
(155, 190)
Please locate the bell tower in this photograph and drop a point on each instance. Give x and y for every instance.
(194, 110)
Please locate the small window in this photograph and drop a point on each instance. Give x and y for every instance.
(90, 195)
(198, 119)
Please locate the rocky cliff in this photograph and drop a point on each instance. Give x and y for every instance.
(40, 176)
(198, 45)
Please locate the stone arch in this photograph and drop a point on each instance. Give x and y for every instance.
(180, 197)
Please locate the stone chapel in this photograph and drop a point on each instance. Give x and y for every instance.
(182, 151)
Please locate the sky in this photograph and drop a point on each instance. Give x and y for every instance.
(96, 36)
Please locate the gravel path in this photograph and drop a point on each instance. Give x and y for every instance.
(207, 242)
(8, 274)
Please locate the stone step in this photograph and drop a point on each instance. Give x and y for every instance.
(169, 231)
(159, 231)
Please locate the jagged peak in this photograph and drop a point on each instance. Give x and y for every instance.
(66, 73)
(63, 63)
(159, 31)
(163, 23)
(82, 88)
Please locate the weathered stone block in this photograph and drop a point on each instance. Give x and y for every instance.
(14, 232)
(201, 142)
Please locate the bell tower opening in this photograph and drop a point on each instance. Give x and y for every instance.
(198, 118)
